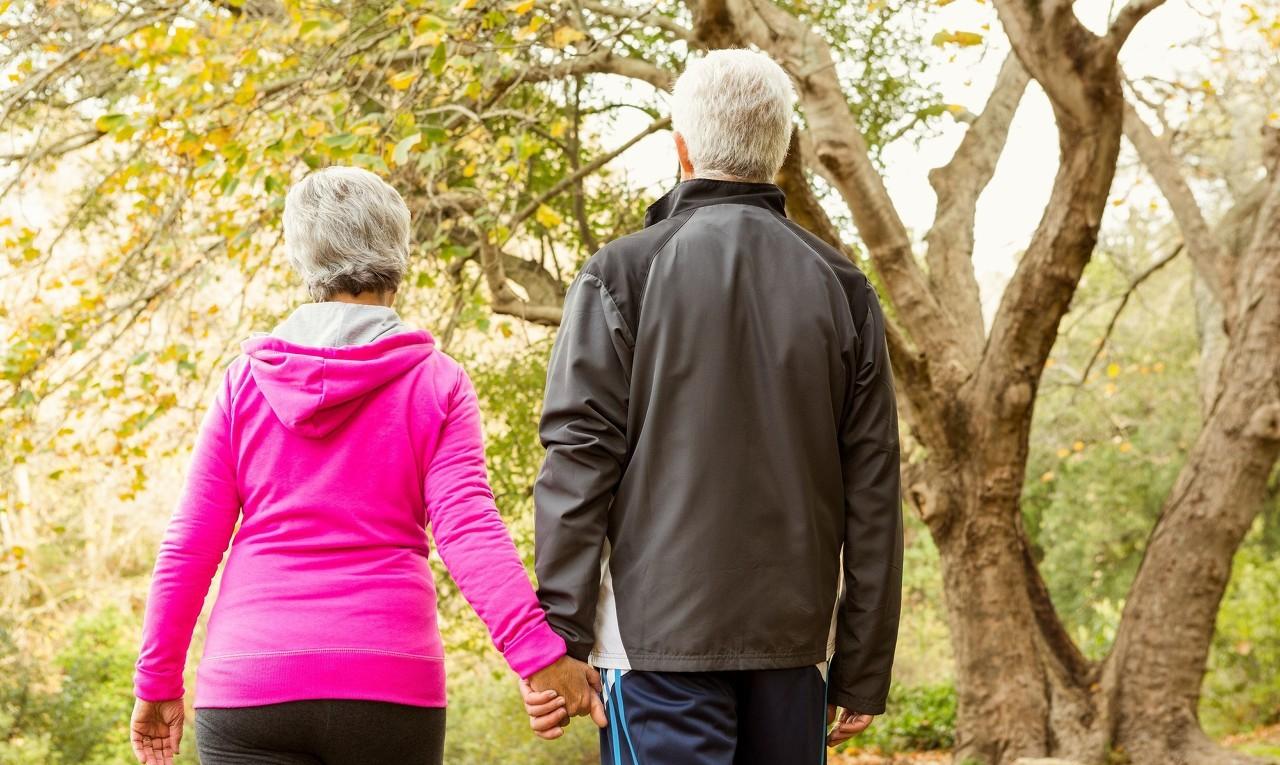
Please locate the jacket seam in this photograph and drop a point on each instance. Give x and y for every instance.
(301, 651)
(631, 335)
(653, 258)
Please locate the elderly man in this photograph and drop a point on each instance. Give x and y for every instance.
(721, 432)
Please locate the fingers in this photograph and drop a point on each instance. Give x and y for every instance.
(547, 722)
(831, 713)
(175, 738)
(556, 705)
(136, 741)
(593, 679)
(597, 712)
(851, 724)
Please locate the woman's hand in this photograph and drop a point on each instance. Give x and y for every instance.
(156, 730)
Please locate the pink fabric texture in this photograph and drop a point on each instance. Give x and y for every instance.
(334, 461)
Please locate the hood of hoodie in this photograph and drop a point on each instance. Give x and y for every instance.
(334, 324)
(313, 389)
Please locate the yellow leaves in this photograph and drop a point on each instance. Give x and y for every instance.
(1251, 14)
(548, 217)
(566, 35)
(246, 93)
(1078, 446)
(1047, 476)
(558, 128)
(110, 122)
(423, 39)
(1125, 447)
(470, 170)
(403, 80)
(523, 7)
(963, 39)
(1113, 370)
(313, 129)
(1273, 119)
(1063, 453)
(219, 137)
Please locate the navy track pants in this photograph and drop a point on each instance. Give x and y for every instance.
(759, 717)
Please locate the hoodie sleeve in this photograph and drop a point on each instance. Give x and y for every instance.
(584, 421)
(867, 620)
(198, 534)
(474, 543)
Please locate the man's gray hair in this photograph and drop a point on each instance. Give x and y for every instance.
(346, 230)
(733, 108)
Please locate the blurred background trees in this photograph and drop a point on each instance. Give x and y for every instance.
(1086, 484)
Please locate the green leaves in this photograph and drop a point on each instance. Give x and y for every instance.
(400, 155)
(438, 60)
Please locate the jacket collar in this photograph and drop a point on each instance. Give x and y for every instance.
(700, 192)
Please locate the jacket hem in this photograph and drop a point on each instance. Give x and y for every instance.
(720, 662)
(254, 679)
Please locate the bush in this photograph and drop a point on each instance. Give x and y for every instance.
(1242, 688)
(918, 718)
(487, 724)
(81, 714)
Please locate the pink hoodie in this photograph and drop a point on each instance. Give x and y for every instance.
(339, 459)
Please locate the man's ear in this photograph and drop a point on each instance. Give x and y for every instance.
(682, 151)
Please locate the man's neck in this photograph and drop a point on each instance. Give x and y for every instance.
(721, 177)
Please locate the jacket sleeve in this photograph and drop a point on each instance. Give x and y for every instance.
(867, 618)
(475, 545)
(198, 534)
(584, 430)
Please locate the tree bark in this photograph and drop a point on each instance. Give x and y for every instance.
(1162, 646)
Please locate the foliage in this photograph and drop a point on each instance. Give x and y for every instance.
(79, 715)
(1106, 448)
(486, 722)
(1242, 690)
(921, 717)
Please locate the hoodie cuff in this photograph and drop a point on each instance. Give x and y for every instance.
(534, 651)
(153, 686)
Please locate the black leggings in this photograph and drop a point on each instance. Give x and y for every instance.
(321, 732)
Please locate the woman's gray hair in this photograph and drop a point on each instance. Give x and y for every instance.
(346, 230)
(733, 109)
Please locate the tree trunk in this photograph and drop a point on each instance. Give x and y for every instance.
(1163, 642)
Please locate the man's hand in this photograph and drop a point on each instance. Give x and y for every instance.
(156, 730)
(565, 689)
(851, 724)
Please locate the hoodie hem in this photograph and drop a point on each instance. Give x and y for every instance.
(254, 679)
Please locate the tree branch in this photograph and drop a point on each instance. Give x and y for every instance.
(584, 171)
(644, 16)
(1124, 300)
(1127, 19)
(1211, 260)
(958, 184)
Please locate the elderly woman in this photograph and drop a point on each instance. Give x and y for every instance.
(334, 442)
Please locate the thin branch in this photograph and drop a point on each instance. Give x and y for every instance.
(584, 171)
(1124, 300)
(1128, 18)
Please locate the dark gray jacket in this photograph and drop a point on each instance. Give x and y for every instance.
(720, 424)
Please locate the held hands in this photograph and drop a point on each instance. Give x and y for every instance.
(156, 730)
(851, 724)
(568, 688)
